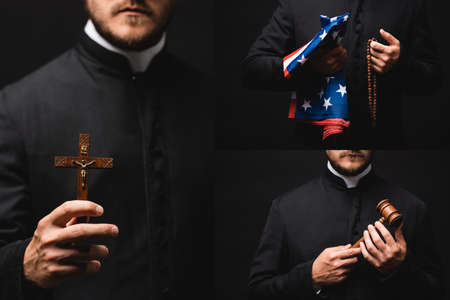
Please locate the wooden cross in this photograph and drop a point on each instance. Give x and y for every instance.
(83, 162)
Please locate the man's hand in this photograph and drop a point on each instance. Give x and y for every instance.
(52, 254)
(329, 61)
(384, 256)
(333, 265)
(383, 56)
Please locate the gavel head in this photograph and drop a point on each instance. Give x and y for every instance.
(390, 214)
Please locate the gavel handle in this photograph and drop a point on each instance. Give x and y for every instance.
(356, 245)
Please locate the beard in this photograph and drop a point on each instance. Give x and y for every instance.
(352, 171)
(130, 42)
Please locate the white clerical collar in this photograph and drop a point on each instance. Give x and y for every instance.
(139, 60)
(350, 181)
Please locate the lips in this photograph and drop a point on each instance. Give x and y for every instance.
(352, 155)
(135, 10)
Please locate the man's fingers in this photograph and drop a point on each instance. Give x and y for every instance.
(349, 253)
(71, 222)
(378, 69)
(61, 271)
(389, 38)
(379, 243)
(348, 262)
(339, 248)
(343, 58)
(336, 67)
(336, 52)
(72, 209)
(96, 252)
(367, 256)
(75, 256)
(378, 47)
(385, 233)
(92, 267)
(335, 55)
(376, 54)
(369, 244)
(80, 232)
(378, 62)
(379, 66)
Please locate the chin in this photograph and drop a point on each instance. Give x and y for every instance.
(131, 34)
(133, 38)
(125, 29)
(352, 169)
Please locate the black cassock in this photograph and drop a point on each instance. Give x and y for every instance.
(294, 23)
(325, 213)
(156, 125)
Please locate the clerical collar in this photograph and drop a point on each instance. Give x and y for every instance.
(350, 181)
(139, 60)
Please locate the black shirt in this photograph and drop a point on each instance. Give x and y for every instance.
(157, 127)
(325, 213)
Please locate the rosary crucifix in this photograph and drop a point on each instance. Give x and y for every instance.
(83, 162)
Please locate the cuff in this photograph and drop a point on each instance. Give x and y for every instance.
(299, 280)
(13, 284)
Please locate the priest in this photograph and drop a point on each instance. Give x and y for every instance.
(404, 58)
(306, 252)
(130, 123)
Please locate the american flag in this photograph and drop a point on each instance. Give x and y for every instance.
(328, 105)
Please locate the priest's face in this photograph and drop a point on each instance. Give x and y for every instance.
(349, 162)
(130, 24)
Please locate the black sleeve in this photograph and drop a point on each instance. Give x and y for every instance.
(420, 275)
(263, 66)
(268, 280)
(421, 66)
(14, 209)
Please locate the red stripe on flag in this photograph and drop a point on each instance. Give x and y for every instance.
(331, 126)
(294, 53)
(330, 122)
(293, 108)
(330, 130)
(287, 74)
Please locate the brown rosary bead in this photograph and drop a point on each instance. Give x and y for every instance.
(371, 86)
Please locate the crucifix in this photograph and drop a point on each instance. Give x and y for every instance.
(83, 163)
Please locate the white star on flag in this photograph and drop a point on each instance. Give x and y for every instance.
(306, 105)
(328, 79)
(345, 18)
(327, 103)
(323, 35)
(342, 89)
(333, 19)
(303, 60)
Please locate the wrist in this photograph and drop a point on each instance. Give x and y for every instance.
(316, 283)
(27, 261)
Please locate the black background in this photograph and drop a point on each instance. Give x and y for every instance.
(35, 32)
(248, 181)
(249, 119)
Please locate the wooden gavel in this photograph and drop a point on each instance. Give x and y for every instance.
(389, 213)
